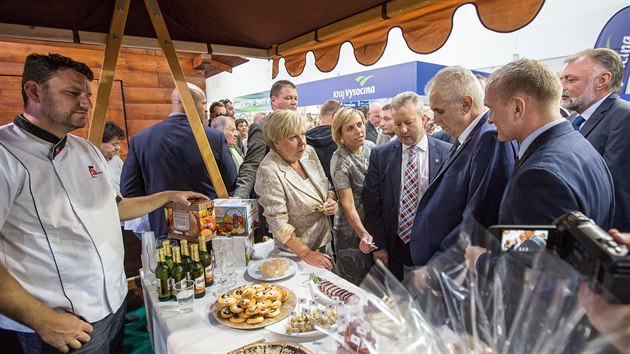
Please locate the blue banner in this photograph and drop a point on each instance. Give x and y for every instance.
(354, 89)
(616, 36)
(369, 85)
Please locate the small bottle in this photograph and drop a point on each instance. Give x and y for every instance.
(163, 277)
(178, 273)
(206, 261)
(186, 261)
(168, 258)
(197, 273)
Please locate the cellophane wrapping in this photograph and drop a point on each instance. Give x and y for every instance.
(519, 302)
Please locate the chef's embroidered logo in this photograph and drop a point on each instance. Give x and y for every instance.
(93, 172)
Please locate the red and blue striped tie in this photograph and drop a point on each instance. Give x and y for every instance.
(410, 196)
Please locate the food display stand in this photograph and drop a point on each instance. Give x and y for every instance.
(199, 332)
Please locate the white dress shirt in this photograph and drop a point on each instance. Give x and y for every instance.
(464, 135)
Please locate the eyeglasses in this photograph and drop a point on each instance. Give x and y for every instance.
(220, 114)
(225, 101)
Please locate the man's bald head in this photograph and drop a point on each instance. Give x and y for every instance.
(199, 98)
(374, 114)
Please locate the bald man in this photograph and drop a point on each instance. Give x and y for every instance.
(166, 156)
(374, 120)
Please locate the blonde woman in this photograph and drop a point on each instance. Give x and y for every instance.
(348, 167)
(294, 192)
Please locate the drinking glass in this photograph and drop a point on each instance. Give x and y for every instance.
(217, 271)
(148, 251)
(221, 272)
(229, 263)
(148, 256)
(184, 293)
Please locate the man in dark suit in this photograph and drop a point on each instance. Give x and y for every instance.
(397, 176)
(374, 120)
(470, 183)
(590, 83)
(320, 137)
(558, 170)
(166, 156)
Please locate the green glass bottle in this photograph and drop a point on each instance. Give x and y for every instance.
(197, 273)
(163, 277)
(178, 273)
(168, 258)
(186, 261)
(206, 261)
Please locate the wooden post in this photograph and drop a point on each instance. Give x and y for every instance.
(104, 89)
(187, 100)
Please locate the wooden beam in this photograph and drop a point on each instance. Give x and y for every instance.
(144, 42)
(200, 61)
(40, 33)
(114, 41)
(187, 100)
(222, 66)
(10, 30)
(245, 52)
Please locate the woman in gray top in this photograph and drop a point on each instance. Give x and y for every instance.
(353, 244)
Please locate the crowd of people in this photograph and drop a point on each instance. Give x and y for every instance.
(393, 183)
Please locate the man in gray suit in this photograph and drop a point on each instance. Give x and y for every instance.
(590, 83)
(283, 95)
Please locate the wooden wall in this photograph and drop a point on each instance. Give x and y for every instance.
(141, 94)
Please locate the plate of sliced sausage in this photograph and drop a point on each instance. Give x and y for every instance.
(323, 291)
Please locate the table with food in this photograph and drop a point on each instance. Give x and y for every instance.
(273, 301)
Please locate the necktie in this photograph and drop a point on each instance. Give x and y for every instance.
(410, 196)
(517, 162)
(577, 122)
(452, 151)
(449, 156)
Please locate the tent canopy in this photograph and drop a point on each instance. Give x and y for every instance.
(265, 29)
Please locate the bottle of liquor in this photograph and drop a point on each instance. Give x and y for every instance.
(166, 246)
(178, 273)
(206, 261)
(197, 273)
(186, 261)
(163, 277)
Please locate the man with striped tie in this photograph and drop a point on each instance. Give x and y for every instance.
(398, 174)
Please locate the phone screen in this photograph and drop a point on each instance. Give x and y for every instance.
(512, 238)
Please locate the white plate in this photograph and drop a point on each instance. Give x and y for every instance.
(254, 270)
(324, 299)
(318, 295)
(281, 328)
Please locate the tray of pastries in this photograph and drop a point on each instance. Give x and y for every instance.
(253, 306)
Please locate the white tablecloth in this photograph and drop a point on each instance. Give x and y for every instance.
(199, 332)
